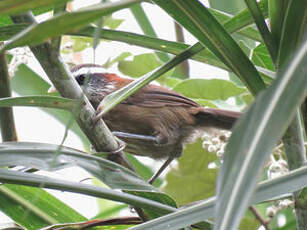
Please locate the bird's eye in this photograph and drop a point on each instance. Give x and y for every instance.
(80, 79)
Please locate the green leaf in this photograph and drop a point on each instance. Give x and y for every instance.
(268, 38)
(34, 208)
(261, 57)
(18, 6)
(244, 18)
(268, 190)
(293, 31)
(213, 89)
(81, 43)
(40, 101)
(116, 97)
(204, 56)
(142, 170)
(38, 86)
(161, 198)
(249, 222)
(254, 138)
(193, 172)
(120, 57)
(30, 179)
(110, 211)
(191, 15)
(111, 22)
(140, 65)
(53, 157)
(61, 23)
(146, 26)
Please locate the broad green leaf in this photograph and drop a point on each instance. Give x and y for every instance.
(62, 23)
(81, 43)
(116, 97)
(267, 190)
(142, 170)
(120, 57)
(207, 103)
(30, 179)
(111, 22)
(249, 222)
(261, 57)
(213, 89)
(140, 65)
(34, 208)
(191, 15)
(254, 138)
(18, 6)
(192, 172)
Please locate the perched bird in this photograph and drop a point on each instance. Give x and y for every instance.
(155, 121)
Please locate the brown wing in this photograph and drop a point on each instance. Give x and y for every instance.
(157, 96)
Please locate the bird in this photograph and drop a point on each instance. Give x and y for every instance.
(155, 121)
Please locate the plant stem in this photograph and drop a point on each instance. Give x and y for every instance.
(295, 151)
(183, 68)
(7, 124)
(49, 58)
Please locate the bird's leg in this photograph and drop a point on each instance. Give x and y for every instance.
(148, 138)
(155, 140)
(161, 169)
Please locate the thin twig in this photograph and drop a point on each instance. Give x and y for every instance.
(258, 216)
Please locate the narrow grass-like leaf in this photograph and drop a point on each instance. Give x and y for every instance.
(111, 100)
(196, 19)
(253, 139)
(293, 31)
(38, 86)
(62, 23)
(244, 18)
(40, 101)
(147, 28)
(34, 208)
(276, 15)
(15, 177)
(238, 23)
(53, 157)
(267, 190)
(204, 56)
(18, 6)
(268, 39)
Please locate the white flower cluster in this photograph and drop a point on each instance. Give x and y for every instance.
(21, 55)
(215, 142)
(277, 167)
(281, 204)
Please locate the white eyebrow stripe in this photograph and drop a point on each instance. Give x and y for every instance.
(89, 70)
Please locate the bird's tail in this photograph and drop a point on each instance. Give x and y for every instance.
(216, 118)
